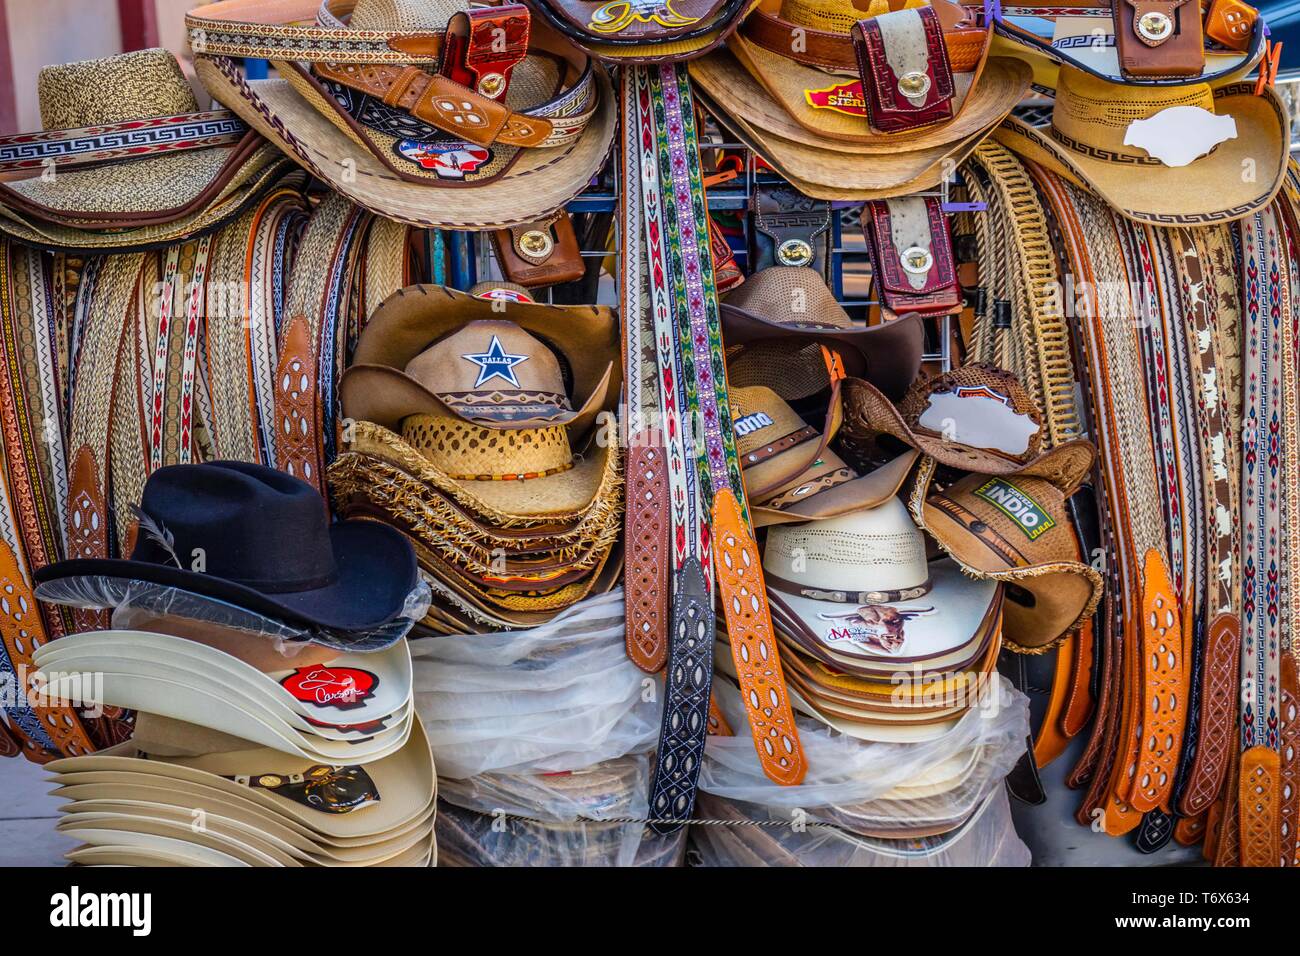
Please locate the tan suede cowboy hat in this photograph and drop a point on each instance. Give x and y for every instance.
(1162, 155)
(1014, 528)
(497, 362)
(426, 111)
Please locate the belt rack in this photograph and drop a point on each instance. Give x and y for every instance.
(472, 258)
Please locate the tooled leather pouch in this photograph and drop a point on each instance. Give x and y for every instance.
(907, 79)
(484, 45)
(540, 253)
(1159, 38)
(789, 229)
(913, 265)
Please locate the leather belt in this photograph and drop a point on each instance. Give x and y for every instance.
(834, 51)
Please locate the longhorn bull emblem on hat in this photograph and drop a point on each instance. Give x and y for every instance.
(874, 627)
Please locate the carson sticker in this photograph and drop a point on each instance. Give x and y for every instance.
(842, 98)
(340, 687)
(1012, 501)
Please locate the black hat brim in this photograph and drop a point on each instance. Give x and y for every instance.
(376, 572)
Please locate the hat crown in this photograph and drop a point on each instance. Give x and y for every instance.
(760, 417)
(978, 405)
(489, 356)
(1090, 112)
(404, 14)
(837, 16)
(875, 549)
(129, 86)
(238, 521)
(791, 296)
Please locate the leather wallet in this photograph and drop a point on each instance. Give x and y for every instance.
(906, 75)
(912, 261)
(540, 253)
(789, 229)
(1159, 38)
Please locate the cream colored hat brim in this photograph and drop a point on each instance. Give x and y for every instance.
(1208, 190)
(541, 181)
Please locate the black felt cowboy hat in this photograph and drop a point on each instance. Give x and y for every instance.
(261, 540)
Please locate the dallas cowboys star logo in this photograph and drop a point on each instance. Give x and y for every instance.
(496, 361)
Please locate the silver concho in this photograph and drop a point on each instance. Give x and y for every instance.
(794, 252)
(916, 260)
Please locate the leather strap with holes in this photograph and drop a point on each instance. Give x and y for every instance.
(1288, 733)
(1259, 797)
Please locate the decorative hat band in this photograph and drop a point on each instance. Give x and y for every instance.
(848, 597)
(130, 139)
(469, 452)
(508, 406)
(810, 488)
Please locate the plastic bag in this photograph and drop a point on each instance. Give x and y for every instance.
(587, 818)
(556, 698)
(987, 838)
(137, 604)
(870, 787)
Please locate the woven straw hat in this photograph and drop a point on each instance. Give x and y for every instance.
(126, 157)
(393, 163)
(1092, 120)
(790, 472)
(1015, 528)
(820, 168)
(781, 305)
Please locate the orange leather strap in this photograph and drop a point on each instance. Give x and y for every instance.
(1050, 739)
(299, 450)
(1079, 707)
(1288, 736)
(1259, 800)
(753, 645)
(1163, 689)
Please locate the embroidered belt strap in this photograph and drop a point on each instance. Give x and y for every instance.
(380, 64)
(834, 51)
(690, 665)
(648, 521)
(847, 597)
(736, 557)
(1028, 257)
(318, 300)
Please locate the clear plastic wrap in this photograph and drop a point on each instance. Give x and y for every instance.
(587, 818)
(986, 838)
(559, 697)
(137, 605)
(871, 787)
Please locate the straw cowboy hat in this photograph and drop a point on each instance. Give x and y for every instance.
(619, 31)
(1015, 528)
(1162, 155)
(778, 308)
(127, 159)
(410, 109)
(819, 167)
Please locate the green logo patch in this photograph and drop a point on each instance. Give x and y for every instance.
(1012, 501)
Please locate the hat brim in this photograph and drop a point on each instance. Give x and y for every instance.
(376, 572)
(139, 192)
(537, 184)
(890, 352)
(835, 175)
(984, 99)
(1208, 190)
(869, 491)
(385, 396)
(251, 181)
